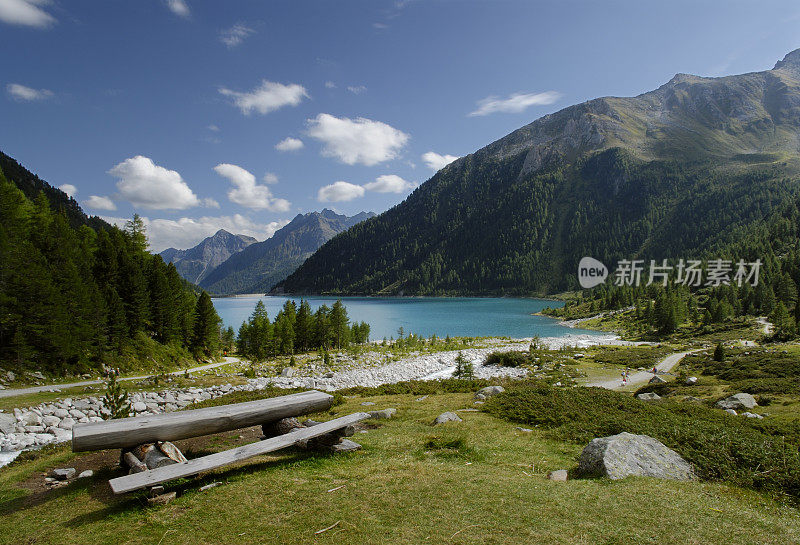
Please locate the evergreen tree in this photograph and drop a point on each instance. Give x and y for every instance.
(206, 327)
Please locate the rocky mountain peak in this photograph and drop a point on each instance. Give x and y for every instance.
(790, 61)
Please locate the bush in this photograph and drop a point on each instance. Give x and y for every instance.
(755, 455)
(422, 387)
(509, 359)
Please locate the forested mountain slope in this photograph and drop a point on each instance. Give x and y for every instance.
(696, 168)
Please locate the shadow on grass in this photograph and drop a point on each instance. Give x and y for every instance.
(98, 489)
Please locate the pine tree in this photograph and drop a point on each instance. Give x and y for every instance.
(206, 327)
(115, 401)
(464, 368)
(719, 352)
(339, 324)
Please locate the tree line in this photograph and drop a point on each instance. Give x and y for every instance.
(298, 329)
(74, 298)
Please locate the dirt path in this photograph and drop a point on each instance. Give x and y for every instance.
(47, 388)
(641, 377)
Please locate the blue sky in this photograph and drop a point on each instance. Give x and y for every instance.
(175, 109)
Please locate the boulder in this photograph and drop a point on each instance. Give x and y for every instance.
(731, 412)
(385, 414)
(446, 417)
(657, 380)
(559, 475)
(489, 391)
(648, 396)
(346, 445)
(48, 421)
(287, 372)
(737, 402)
(63, 474)
(691, 381)
(752, 415)
(139, 407)
(7, 423)
(86, 474)
(625, 455)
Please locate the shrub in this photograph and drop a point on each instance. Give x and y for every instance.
(756, 455)
(509, 359)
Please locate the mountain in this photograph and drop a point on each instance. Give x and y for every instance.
(196, 263)
(698, 167)
(257, 268)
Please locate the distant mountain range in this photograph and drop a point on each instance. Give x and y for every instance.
(699, 167)
(196, 263)
(226, 264)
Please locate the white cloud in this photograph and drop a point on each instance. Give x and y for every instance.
(147, 185)
(339, 192)
(434, 161)
(390, 183)
(21, 92)
(330, 85)
(69, 189)
(289, 144)
(178, 7)
(25, 12)
(188, 232)
(99, 203)
(235, 35)
(270, 178)
(515, 103)
(267, 98)
(246, 192)
(361, 140)
(213, 128)
(356, 89)
(209, 203)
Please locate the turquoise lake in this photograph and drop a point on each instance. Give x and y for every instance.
(456, 316)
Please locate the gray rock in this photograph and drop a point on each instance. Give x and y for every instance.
(7, 423)
(657, 380)
(139, 407)
(625, 455)
(86, 474)
(367, 403)
(48, 421)
(61, 413)
(731, 412)
(31, 419)
(63, 474)
(489, 391)
(288, 372)
(737, 402)
(346, 445)
(480, 397)
(523, 430)
(752, 415)
(559, 475)
(384, 414)
(648, 396)
(691, 381)
(11, 376)
(446, 417)
(77, 414)
(423, 398)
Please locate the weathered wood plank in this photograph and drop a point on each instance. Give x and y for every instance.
(153, 477)
(130, 432)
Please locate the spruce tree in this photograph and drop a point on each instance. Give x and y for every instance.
(206, 327)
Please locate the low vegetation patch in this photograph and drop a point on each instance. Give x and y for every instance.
(756, 455)
(752, 370)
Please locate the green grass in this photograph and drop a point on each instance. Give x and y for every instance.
(758, 455)
(474, 482)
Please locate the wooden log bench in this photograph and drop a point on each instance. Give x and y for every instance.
(127, 433)
(152, 477)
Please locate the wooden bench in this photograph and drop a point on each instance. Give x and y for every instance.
(153, 477)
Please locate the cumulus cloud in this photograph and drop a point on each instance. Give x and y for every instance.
(69, 189)
(434, 161)
(390, 183)
(356, 89)
(339, 192)
(147, 185)
(354, 141)
(289, 144)
(188, 232)
(97, 202)
(27, 94)
(266, 98)
(246, 192)
(515, 103)
(235, 35)
(178, 7)
(26, 13)
(270, 178)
